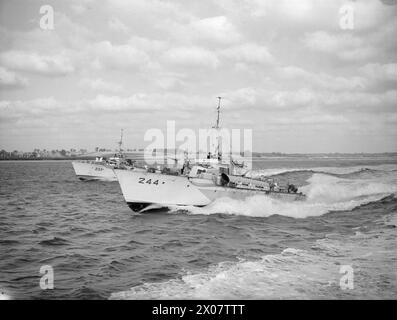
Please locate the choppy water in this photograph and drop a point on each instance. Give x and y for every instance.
(259, 248)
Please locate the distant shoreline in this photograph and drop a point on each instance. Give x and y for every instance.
(255, 155)
(43, 159)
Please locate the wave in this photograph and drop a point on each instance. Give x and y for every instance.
(326, 189)
(294, 273)
(363, 173)
(8, 242)
(4, 295)
(56, 241)
(335, 171)
(264, 278)
(324, 194)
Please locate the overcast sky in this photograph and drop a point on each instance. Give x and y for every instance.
(286, 70)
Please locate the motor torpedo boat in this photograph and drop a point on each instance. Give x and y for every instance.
(101, 168)
(196, 185)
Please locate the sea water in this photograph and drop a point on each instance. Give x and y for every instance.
(259, 248)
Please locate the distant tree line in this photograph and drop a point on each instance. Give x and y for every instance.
(41, 154)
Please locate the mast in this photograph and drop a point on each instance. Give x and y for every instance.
(121, 141)
(218, 109)
(218, 112)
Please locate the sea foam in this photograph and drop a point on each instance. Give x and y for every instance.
(292, 274)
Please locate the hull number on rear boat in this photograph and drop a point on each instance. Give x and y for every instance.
(148, 181)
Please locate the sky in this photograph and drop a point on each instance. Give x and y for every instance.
(289, 70)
